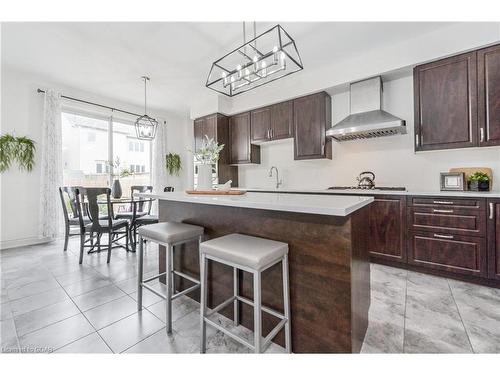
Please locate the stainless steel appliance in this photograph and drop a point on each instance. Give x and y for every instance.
(365, 181)
(367, 119)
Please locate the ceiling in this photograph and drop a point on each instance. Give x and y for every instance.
(109, 58)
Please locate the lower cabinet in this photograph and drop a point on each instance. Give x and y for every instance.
(448, 234)
(448, 252)
(388, 228)
(494, 239)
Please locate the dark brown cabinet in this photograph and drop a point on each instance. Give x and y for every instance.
(216, 126)
(311, 117)
(445, 99)
(272, 123)
(205, 126)
(494, 239)
(261, 124)
(445, 252)
(388, 228)
(448, 234)
(242, 151)
(488, 76)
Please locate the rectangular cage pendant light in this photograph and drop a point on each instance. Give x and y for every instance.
(266, 58)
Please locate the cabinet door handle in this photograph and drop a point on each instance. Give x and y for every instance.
(492, 211)
(447, 237)
(442, 211)
(481, 131)
(416, 140)
(268, 133)
(442, 202)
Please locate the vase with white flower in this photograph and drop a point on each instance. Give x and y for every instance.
(206, 157)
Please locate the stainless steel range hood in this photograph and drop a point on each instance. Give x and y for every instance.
(366, 119)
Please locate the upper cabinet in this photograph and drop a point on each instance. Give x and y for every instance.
(457, 101)
(272, 123)
(446, 103)
(261, 124)
(488, 76)
(205, 126)
(242, 151)
(311, 117)
(216, 126)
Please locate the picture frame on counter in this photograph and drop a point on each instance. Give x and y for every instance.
(453, 181)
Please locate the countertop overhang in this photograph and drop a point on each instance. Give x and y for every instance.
(333, 205)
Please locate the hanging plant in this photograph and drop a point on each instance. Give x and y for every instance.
(173, 163)
(20, 149)
(25, 153)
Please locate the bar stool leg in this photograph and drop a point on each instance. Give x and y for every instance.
(236, 315)
(257, 313)
(286, 307)
(203, 302)
(139, 276)
(168, 268)
(172, 281)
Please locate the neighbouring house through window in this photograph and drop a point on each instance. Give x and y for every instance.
(88, 160)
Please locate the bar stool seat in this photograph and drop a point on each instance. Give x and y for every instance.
(254, 255)
(248, 251)
(170, 232)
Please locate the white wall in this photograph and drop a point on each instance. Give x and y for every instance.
(22, 114)
(392, 159)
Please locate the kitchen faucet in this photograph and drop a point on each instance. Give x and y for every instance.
(278, 181)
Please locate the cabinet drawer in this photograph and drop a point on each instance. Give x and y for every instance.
(452, 253)
(453, 220)
(478, 204)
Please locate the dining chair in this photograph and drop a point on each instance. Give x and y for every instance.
(71, 218)
(116, 229)
(141, 210)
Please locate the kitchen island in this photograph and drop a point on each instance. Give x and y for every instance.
(328, 255)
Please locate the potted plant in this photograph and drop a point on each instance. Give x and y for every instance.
(20, 149)
(206, 156)
(479, 181)
(173, 163)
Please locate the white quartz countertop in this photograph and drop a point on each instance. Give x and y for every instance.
(334, 205)
(463, 194)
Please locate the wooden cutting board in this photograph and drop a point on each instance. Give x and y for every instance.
(216, 192)
(471, 170)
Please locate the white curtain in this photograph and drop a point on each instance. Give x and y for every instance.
(50, 150)
(158, 168)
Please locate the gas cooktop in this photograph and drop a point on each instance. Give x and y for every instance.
(397, 188)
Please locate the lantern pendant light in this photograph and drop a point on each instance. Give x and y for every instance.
(145, 126)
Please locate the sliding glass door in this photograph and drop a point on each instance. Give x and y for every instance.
(98, 149)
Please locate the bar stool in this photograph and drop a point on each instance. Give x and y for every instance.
(168, 234)
(254, 255)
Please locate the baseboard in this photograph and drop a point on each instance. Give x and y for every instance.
(9, 244)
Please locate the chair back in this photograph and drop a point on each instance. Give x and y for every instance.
(96, 198)
(141, 189)
(68, 200)
(168, 189)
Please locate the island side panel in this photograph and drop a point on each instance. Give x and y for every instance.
(360, 277)
(320, 270)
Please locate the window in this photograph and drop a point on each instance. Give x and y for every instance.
(88, 161)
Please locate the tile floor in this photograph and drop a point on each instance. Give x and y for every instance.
(49, 303)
